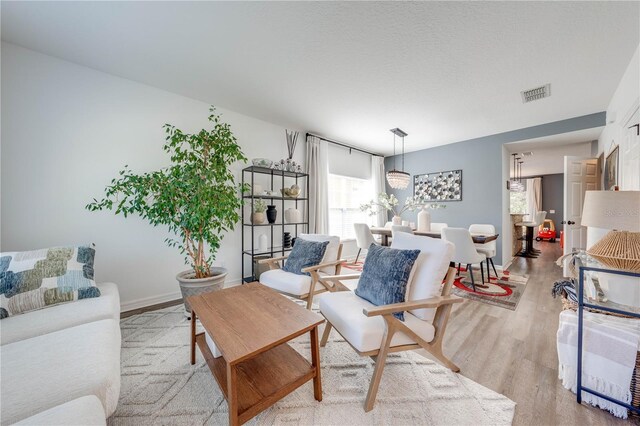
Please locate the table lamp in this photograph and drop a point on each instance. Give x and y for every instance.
(620, 212)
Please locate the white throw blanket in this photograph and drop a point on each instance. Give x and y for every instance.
(609, 348)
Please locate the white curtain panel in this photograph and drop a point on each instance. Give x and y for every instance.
(318, 166)
(377, 176)
(534, 196)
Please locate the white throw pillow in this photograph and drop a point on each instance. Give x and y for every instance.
(330, 254)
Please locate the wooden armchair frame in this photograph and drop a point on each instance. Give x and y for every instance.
(443, 304)
(314, 271)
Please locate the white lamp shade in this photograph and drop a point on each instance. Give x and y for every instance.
(619, 210)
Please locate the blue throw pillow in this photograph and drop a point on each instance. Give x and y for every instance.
(305, 253)
(385, 275)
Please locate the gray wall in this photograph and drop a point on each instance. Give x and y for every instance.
(553, 197)
(481, 162)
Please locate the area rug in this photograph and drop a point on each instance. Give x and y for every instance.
(504, 291)
(354, 266)
(160, 387)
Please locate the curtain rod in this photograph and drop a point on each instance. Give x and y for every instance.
(344, 145)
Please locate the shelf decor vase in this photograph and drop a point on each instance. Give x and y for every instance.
(424, 220)
(272, 214)
(263, 242)
(257, 218)
(397, 220)
(286, 240)
(292, 215)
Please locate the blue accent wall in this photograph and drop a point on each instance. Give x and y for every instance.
(480, 160)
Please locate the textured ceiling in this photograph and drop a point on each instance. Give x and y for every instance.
(443, 72)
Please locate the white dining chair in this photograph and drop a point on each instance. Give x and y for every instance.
(364, 238)
(400, 228)
(437, 226)
(388, 225)
(488, 249)
(465, 251)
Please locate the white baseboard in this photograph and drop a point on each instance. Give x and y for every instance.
(149, 301)
(162, 298)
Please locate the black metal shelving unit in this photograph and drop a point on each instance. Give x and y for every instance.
(279, 179)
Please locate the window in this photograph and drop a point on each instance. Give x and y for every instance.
(346, 194)
(518, 202)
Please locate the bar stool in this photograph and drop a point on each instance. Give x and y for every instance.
(529, 251)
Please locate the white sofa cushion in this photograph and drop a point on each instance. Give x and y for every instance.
(429, 269)
(288, 282)
(343, 310)
(86, 411)
(59, 317)
(45, 371)
(331, 252)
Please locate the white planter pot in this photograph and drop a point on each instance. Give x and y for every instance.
(190, 286)
(292, 215)
(424, 221)
(263, 242)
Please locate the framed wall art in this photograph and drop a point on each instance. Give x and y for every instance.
(438, 186)
(611, 170)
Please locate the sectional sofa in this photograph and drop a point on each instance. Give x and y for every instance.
(61, 365)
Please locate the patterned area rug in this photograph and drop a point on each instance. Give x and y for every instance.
(505, 291)
(160, 387)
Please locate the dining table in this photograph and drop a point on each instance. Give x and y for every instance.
(385, 233)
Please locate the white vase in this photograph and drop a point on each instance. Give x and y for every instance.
(424, 220)
(292, 215)
(263, 242)
(397, 220)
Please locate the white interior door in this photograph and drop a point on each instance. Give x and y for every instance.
(580, 175)
(630, 154)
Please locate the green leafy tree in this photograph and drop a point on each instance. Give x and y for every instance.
(196, 196)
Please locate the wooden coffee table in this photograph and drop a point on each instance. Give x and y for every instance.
(251, 325)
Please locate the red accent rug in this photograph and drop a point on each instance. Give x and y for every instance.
(504, 292)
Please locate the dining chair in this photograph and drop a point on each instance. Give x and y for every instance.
(374, 332)
(304, 286)
(488, 249)
(364, 238)
(437, 226)
(400, 228)
(465, 252)
(388, 225)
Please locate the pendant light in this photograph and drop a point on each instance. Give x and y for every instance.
(515, 184)
(398, 179)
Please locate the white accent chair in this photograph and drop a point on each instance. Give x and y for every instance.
(488, 249)
(300, 286)
(465, 252)
(364, 238)
(400, 228)
(374, 331)
(438, 226)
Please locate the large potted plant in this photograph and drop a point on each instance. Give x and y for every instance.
(196, 197)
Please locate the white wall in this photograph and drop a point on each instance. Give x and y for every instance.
(66, 132)
(624, 103)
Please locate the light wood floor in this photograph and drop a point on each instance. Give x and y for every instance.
(514, 352)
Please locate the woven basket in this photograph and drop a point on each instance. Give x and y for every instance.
(635, 378)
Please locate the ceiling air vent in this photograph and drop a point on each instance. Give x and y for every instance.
(536, 93)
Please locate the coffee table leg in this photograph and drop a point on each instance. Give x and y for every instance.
(315, 362)
(232, 396)
(193, 337)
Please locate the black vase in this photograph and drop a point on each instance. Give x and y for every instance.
(272, 214)
(286, 240)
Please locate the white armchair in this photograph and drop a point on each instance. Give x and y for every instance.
(374, 331)
(299, 286)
